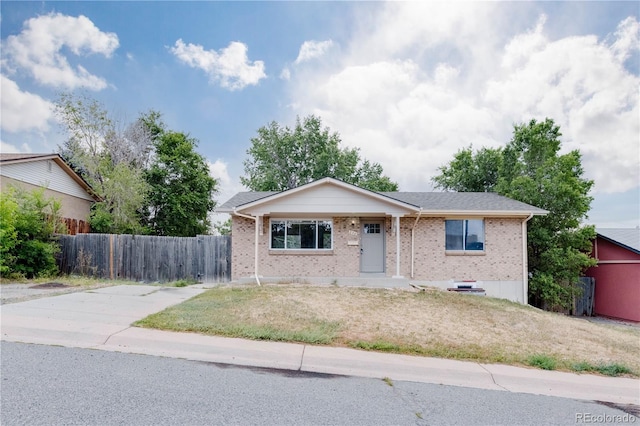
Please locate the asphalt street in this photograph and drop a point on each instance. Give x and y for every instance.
(52, 385)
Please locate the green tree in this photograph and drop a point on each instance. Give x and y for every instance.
(28, 223)
(223, 227)
(181, 187)
(471, 171)
(281, 158)
(530, 169)
(112, 160)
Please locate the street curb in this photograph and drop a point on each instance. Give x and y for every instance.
(353, 362)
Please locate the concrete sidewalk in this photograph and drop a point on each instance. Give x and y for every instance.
(100, 319)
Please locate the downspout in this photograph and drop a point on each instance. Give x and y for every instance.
(413, 232)
(255, 256)
(525, 261)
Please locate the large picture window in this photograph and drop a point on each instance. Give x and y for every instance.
(464, 235)
(301, 234)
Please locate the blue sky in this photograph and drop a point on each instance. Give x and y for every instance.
(408, 83)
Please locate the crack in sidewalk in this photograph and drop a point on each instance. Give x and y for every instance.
(111, 335)
(304, 347)
(493, 378)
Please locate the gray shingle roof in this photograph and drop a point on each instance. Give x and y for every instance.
(428, 201)
(627, 237)
(242, 198)
(462, 201)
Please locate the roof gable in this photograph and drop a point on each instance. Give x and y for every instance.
(332, 196)
(324, 196)
(32, 169)
(628, 238)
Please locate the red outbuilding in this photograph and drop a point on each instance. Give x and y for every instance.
(617, 276)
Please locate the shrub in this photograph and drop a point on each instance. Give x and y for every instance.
(27, 233)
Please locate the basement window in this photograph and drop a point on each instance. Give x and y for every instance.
(301, 234)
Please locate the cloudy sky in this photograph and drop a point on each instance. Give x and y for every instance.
(408, 83)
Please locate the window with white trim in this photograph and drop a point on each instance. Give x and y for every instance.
(464, 235)
(301, 234)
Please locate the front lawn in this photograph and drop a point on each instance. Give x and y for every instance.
(432, 323)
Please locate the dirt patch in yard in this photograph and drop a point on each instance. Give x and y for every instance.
(49, 285)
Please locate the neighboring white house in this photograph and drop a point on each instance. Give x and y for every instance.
(50, 171)
(330, 231)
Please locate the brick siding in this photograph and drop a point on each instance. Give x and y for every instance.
(501, 260)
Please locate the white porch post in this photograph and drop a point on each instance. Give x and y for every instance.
(257, 242)
(397, 229)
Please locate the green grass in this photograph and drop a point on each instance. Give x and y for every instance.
(550, 362)
(382, 346)
(610, 369)
(437, 349)
(222, 313)
(542, 361)
(182, 283)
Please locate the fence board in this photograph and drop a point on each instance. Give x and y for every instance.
(583, 303)
(146, 258)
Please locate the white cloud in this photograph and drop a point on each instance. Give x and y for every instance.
(285, 74)
(627, 39)
(230, 67)
(312, 49)
(423, 80)
(22, 111)
(218, 170)
(37, 49)
(583, 85)
(227, 187)
(7, 148)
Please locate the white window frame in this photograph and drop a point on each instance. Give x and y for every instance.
(303, 220)
(465, 225)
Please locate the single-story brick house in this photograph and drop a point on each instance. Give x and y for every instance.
(50, 171)
(329, 231)
(617, 276)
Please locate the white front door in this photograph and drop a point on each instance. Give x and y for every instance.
(372, 246)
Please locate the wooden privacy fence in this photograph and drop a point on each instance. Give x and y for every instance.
(204, 258)
(583, 302)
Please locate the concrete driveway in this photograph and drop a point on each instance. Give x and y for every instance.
(89, 318)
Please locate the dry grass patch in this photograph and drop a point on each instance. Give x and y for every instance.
(431, 323)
